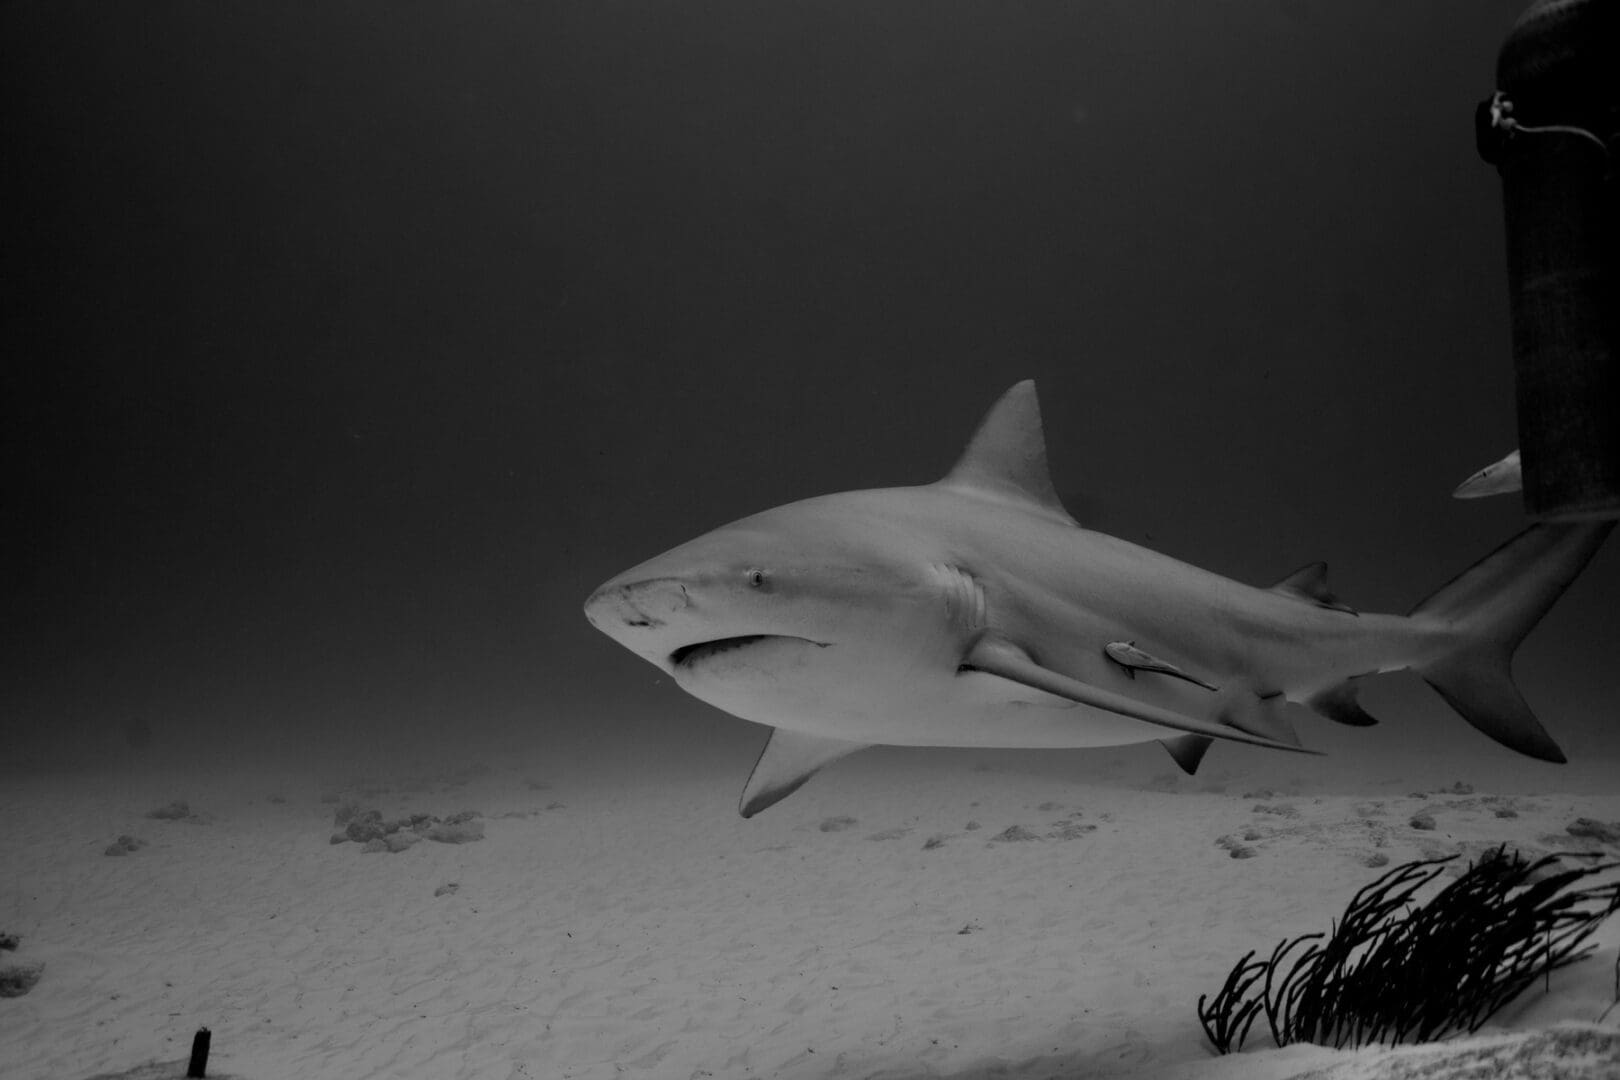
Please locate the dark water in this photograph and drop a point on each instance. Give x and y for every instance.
(350, 345)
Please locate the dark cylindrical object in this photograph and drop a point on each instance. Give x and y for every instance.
(1559, 70)
(199, 1053)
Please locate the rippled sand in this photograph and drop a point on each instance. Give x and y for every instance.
(901, 916)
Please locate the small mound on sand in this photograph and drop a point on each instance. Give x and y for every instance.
(375, 834)
(1604, 832)
(1069, 830)
(458, 829)
(180, 810)
(17, 977)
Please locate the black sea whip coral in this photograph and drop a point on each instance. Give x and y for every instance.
(1393, 972)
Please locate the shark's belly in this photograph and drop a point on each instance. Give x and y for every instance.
(981, 710)
(798, 687)
(1034, 721)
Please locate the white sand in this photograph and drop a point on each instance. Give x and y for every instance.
(642, 928)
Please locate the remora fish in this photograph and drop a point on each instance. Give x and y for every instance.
(975, 611)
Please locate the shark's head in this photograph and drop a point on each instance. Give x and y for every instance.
(757, 613)
(709, 596)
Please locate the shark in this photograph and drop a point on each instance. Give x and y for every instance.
(1498, 478)
(975, 611)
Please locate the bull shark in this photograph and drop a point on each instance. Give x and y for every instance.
(976, 612)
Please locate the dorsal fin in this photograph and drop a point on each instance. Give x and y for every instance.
(1309, 583)
(1007, 454)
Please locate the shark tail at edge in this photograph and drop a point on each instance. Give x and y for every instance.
(1487, 610)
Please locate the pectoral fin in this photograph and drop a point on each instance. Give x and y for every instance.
(788, 760)
(1132, 659)
(1010, 662)
(1188, 750)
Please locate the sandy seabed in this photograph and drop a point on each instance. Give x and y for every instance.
(902, 916)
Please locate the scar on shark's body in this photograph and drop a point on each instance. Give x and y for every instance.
(974, 611)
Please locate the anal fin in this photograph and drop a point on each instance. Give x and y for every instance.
(1339, 704)
(788, 760)
(1257, 714)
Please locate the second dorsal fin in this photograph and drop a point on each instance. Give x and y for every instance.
(1309, 583)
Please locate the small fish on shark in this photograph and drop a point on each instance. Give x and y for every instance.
(976, 612)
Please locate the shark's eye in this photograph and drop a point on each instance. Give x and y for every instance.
(756, 578)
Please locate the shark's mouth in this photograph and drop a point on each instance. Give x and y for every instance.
(690, 656)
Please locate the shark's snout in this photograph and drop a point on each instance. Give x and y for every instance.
(637, 605)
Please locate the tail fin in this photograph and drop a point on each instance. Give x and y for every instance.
(1488, 609)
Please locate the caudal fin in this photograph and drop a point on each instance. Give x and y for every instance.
(1487, 610)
